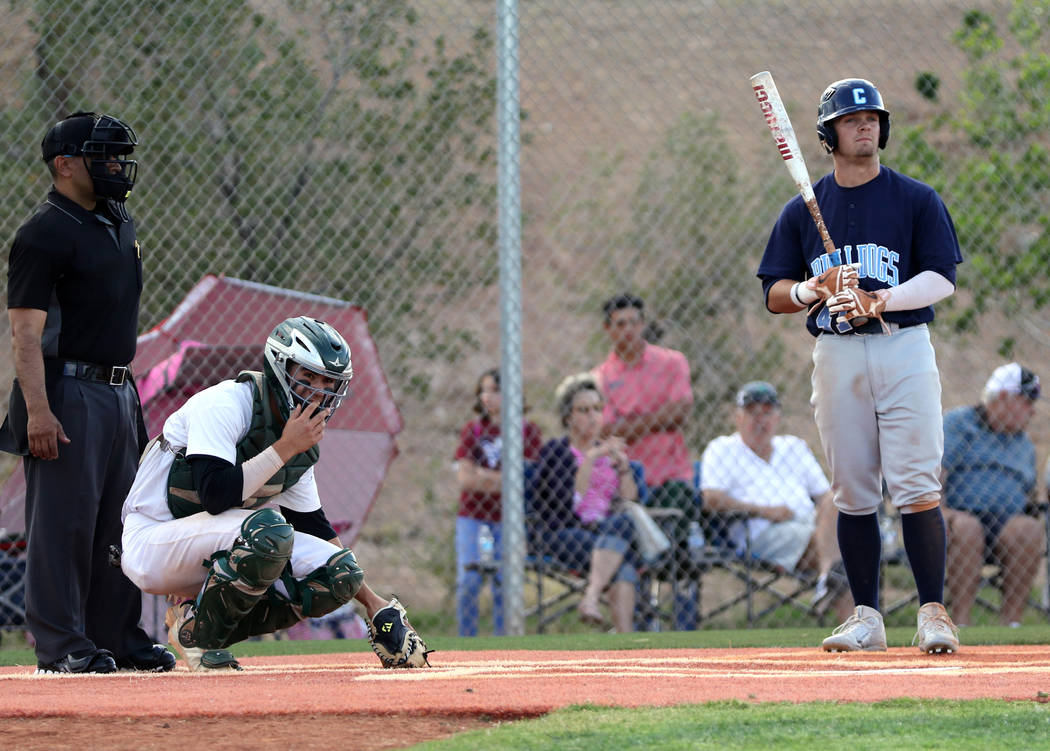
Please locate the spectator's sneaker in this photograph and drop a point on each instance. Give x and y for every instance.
(937, 634)
(862, 631)
(99, 661)
(179, 620)
(829, 586)
(152, 659)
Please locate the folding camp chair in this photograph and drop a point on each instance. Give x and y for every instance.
(766, 588)
(559, 588)
(896, 577)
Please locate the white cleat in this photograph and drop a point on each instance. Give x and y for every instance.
(937, 634)
(862, 632)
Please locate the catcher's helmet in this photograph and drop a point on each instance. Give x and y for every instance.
(103, 140)
(308, 343)
(843, 97)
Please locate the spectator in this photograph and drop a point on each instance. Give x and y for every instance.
(648, 398)
(776, 481)
(478, 458)
(74, 283)
(989, 476)
(581, 477)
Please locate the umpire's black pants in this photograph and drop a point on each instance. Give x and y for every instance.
(75, 600)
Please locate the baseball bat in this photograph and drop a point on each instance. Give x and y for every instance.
(779, 123)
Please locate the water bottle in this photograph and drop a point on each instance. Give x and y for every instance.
(695, 542)
(486, 549)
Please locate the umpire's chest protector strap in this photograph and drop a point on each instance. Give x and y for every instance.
(183, 499)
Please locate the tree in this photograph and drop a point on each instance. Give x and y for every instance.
(997, 178)
(336, 149)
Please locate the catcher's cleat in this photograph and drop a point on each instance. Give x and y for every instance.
(179, 620)
(936, 634)
(862, 632)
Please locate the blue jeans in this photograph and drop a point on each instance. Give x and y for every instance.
(617, 533)
(469, 583)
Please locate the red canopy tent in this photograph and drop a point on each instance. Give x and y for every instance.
(219, 330)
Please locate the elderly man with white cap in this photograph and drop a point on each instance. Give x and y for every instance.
(989, 476)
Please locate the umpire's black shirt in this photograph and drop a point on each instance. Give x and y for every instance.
(84, 268)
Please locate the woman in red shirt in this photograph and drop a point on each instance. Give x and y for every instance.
(478, 459)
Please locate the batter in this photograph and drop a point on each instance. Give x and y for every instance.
(876, 387)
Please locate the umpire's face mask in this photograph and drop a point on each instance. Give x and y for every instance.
(112, 177)
(106, 155)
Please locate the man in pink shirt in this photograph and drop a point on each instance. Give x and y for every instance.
(648, 398)
(648, 395)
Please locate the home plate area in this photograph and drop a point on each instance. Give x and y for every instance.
(530, 683)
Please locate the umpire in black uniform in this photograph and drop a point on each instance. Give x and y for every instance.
(74, 282)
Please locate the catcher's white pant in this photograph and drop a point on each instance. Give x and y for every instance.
(169, 557)
(877, 404)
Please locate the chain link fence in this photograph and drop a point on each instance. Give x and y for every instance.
(349, 151)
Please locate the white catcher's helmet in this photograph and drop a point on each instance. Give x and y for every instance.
(306, 342)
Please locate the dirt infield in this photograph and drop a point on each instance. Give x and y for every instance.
(339, 696)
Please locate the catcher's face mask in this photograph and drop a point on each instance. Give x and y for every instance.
(310, 387)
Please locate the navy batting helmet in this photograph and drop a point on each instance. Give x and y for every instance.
(843, 97)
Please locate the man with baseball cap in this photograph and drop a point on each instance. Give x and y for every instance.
(776, 482)
(73, 288)
(989, 475)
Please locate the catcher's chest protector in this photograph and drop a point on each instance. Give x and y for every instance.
(183, 499)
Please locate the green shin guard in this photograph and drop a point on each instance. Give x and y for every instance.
(240, 577)
(332, 585)
(318, 593)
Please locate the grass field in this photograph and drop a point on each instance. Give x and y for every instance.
(898, 724)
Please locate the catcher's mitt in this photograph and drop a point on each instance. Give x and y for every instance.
(394, 640)
(857, 305)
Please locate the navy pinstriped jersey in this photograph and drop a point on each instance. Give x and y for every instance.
(894, 226)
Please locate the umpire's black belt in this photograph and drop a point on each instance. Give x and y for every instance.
(114, 375)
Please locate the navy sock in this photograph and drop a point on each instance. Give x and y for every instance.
(925, 542)
(861, 546)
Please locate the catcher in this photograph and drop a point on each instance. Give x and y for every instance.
(198, 499)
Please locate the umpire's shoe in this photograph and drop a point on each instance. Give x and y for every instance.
(179, 620)
(97, 661)
(152, 659)
(862, 632)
